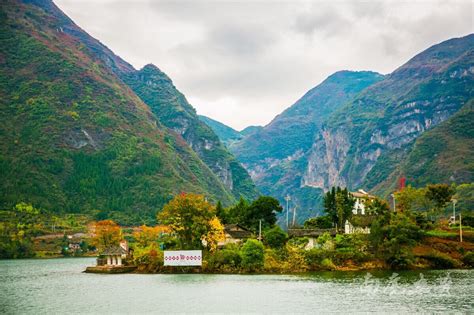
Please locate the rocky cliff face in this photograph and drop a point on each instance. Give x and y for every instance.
(295, 154)
(355, 131)
(173, 110)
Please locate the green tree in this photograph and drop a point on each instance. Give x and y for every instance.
(263, 208)
(321, 222)
(338, 204)
(439, 194)
(236, 213)
(253, 254)
(329, 202)
(393, 235)
(221, 213)
(275, 237)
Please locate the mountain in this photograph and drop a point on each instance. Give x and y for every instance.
(76, 137)
(441, 154)
(277, 155)
(169, 105)
(365, 132)
(385, 119)
(225, 133)
(250, 130)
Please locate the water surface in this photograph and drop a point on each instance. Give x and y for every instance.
(58, 286)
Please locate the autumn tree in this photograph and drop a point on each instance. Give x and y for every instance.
(214, 235)
(147, 235)
(106, 233)
(189, 217)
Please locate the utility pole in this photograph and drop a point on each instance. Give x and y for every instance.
(394, 206)
(294, 217)
(260, 230)
(454, 210)
(287, 198)
(460, 228)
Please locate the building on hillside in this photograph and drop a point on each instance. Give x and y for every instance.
(234, 234)
(360, 220)
(361, 198)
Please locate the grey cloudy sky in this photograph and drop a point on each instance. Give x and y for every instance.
(243, 62)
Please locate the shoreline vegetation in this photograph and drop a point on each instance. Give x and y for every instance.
(417, 236)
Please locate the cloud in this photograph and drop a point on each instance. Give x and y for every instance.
(243, 62)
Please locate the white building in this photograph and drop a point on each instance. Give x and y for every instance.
(361, 200)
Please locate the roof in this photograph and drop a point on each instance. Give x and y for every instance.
(362, 194)
(310, 232)
(237, 231)
(114, 250)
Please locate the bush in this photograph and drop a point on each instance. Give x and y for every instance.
(323, 222)
(275, 237)
(468, 259)
(225, 260)
(441, 261)
(252, 255)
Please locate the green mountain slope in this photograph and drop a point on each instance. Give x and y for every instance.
(385, 119)
(74, 137)
(277, 155)
(169, 106)
(225, 133)
(173, 110)
(359, 133)
(441, 154)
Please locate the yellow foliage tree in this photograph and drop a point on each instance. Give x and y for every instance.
(214, 235)
(188, 216)
(148, 235)
(106, 233)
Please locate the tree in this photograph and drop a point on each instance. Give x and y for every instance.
(376, 206)
(189, 217)
(275, 237)
(393, 235)
(322, 222)
(147, 235)
(221, 213)
(236, 213)
(106, 233)
(338, 204)
(253, 254)
(439, 194)
(263, 208)
(214, 235)
(412, 199)
(329, 202)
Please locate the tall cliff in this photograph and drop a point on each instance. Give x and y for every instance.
(277, 155)
(359, 131)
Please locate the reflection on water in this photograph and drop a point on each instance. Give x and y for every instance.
(59, 286)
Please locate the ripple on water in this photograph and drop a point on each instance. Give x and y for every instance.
(59, 286)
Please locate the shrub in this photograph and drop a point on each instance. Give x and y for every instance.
(441, 261)
(323, 222)
(252, 255)
(468, 259)
(275, 237)
(327, 263)
(225, 260)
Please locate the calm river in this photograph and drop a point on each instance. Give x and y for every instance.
(58, 286)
